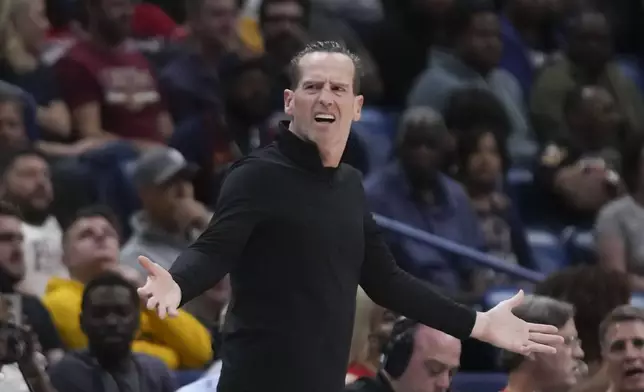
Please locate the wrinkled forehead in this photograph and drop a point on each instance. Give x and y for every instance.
(326, 67)
(624, 330)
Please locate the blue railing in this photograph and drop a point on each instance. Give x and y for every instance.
(450, 246)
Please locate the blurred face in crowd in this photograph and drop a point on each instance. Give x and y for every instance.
(161, 202)
(434, 361)
(623, 352)
(598, 115)
(27, 184)
(12, 264)
(480, 45)
(590, 43)
(250, 95)
(324, 104)
(112, 19)
(12, 129)
(31, 24)
(561, 370)
(217, 22)
(422, 150)
(382, 323)
(91, 247)
(110, 321)
(283, 29)
(484, 166)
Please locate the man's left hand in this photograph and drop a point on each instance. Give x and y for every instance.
(500, 327)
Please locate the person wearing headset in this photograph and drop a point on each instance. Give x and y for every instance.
(417, 358)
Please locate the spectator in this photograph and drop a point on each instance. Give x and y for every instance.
(472, 61)
(618, 225)
(546, 372)
(622, 336)
(112, 93)
(594, 292)
(23, 43)
(12, 125)
(483, 162)
(110, 319)
(371, 330)
(25, 181)
(579, 173)
(413, 191)
(91, 247)
(12, 271)
(417, 359)
(588, 61)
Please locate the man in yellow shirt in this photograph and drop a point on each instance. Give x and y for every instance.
(91, 247)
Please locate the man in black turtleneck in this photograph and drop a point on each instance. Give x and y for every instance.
(12, 270)
(110, 319)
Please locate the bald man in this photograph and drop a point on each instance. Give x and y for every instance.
(417, 359)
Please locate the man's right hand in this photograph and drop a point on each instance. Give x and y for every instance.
(160, 290)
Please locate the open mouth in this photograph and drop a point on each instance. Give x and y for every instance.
(324, 118)
(633, 372)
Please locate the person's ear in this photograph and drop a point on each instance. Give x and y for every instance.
(288, 101)
(357, 107)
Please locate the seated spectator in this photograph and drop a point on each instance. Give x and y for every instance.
(23, 39)
(371, 330)
(483, 162)
(579, 173)
(588, 61)
(546, 372)
(12, 271)
(413, 191)
(91, 247)
(13, 134)
(527, 39)
(621, 336)
(29, 107)
(594, 292)
(472, 61)
(620, 224)
(110, 319)
(25, 181)
(417, 358)
(112, 94)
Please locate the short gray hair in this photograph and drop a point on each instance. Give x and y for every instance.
(620, 314)
(542, 310)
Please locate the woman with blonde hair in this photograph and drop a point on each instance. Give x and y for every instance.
(23, 30)
(371, 328)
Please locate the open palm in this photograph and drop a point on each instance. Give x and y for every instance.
(160, 290)
(505, 330)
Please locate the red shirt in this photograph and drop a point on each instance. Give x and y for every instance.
(359, 371)
(120, 80)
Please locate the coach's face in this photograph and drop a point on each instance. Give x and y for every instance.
(324, 103)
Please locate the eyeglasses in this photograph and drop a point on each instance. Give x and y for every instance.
(572, 341)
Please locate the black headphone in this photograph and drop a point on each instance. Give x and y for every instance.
(397, 353)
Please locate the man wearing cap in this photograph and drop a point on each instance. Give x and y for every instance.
(170, 220)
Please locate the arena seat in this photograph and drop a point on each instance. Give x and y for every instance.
(548, 251)
(579, 245)
(637, 299)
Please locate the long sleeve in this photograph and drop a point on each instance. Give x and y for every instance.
(392, 288)
(238, 211)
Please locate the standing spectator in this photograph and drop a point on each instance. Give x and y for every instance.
(546, 372)
(620, 224)
(12, 271)
(483, 162)
(579, 172)
(109, 86)
(110, 318)
(91, 246)
(25, 181)
(417, 358)
(23, 38)
(588, 61)
(413, 191)
(473, 60)
(621, 336)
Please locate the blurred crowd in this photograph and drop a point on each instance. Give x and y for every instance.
(510, 127)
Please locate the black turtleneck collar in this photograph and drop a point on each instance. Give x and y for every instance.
(303, 153)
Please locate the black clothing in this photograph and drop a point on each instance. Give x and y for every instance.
(297, 239)
(367, 384)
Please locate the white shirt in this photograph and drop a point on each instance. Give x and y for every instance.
(207, 383)
(43, 250)
(11, 379)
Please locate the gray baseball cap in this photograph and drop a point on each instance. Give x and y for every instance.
(157, 167)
